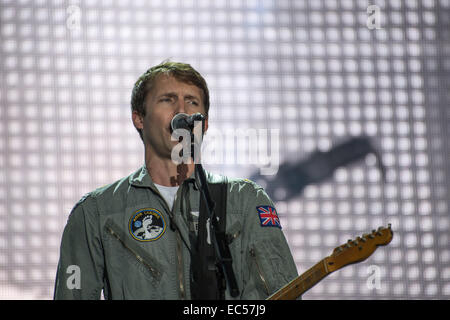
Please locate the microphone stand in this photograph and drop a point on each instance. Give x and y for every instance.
(223, 257)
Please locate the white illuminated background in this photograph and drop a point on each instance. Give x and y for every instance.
(316, 70)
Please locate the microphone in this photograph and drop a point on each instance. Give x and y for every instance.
(185, 121)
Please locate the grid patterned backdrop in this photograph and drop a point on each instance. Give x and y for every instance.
(319, 71)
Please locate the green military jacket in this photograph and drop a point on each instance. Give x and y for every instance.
(119, 239)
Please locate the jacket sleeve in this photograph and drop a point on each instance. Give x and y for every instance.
(269, 261)
(81, 263)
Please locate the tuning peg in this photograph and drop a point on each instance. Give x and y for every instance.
(338, 249)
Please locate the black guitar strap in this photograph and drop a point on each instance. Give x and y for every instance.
(205, 275)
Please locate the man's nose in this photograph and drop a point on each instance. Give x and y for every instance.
(180, 106)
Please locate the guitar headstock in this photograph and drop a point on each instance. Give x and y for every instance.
(359, 249)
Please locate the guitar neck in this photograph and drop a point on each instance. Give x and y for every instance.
(351, 252)
(302, 283)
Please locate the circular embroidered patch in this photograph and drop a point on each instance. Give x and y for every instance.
(147, 225)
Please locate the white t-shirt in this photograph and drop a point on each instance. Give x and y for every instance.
(168, 193)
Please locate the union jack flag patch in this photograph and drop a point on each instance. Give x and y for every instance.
(268, 216)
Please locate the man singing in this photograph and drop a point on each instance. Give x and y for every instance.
(148, 235)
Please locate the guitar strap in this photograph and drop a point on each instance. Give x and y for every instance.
(205, 274)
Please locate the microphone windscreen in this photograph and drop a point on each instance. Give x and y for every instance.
(179, 121)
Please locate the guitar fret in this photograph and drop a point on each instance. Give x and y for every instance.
(314, 275)
(307, 280)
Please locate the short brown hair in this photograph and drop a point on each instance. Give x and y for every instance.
(181, 71)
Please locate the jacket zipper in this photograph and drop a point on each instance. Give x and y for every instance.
(231, 237)
(178, 247)
(156, 274)
(261, 276)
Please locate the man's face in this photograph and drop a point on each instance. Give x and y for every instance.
(167, 98)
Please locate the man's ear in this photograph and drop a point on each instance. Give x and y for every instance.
(138, 120)
(206, 125)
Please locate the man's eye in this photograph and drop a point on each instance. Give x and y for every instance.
(195, 103)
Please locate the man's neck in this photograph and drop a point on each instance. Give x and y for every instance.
(165, 172)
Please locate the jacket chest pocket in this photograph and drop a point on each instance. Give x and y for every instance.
(132, 253)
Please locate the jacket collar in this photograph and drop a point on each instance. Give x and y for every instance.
(142, 178)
